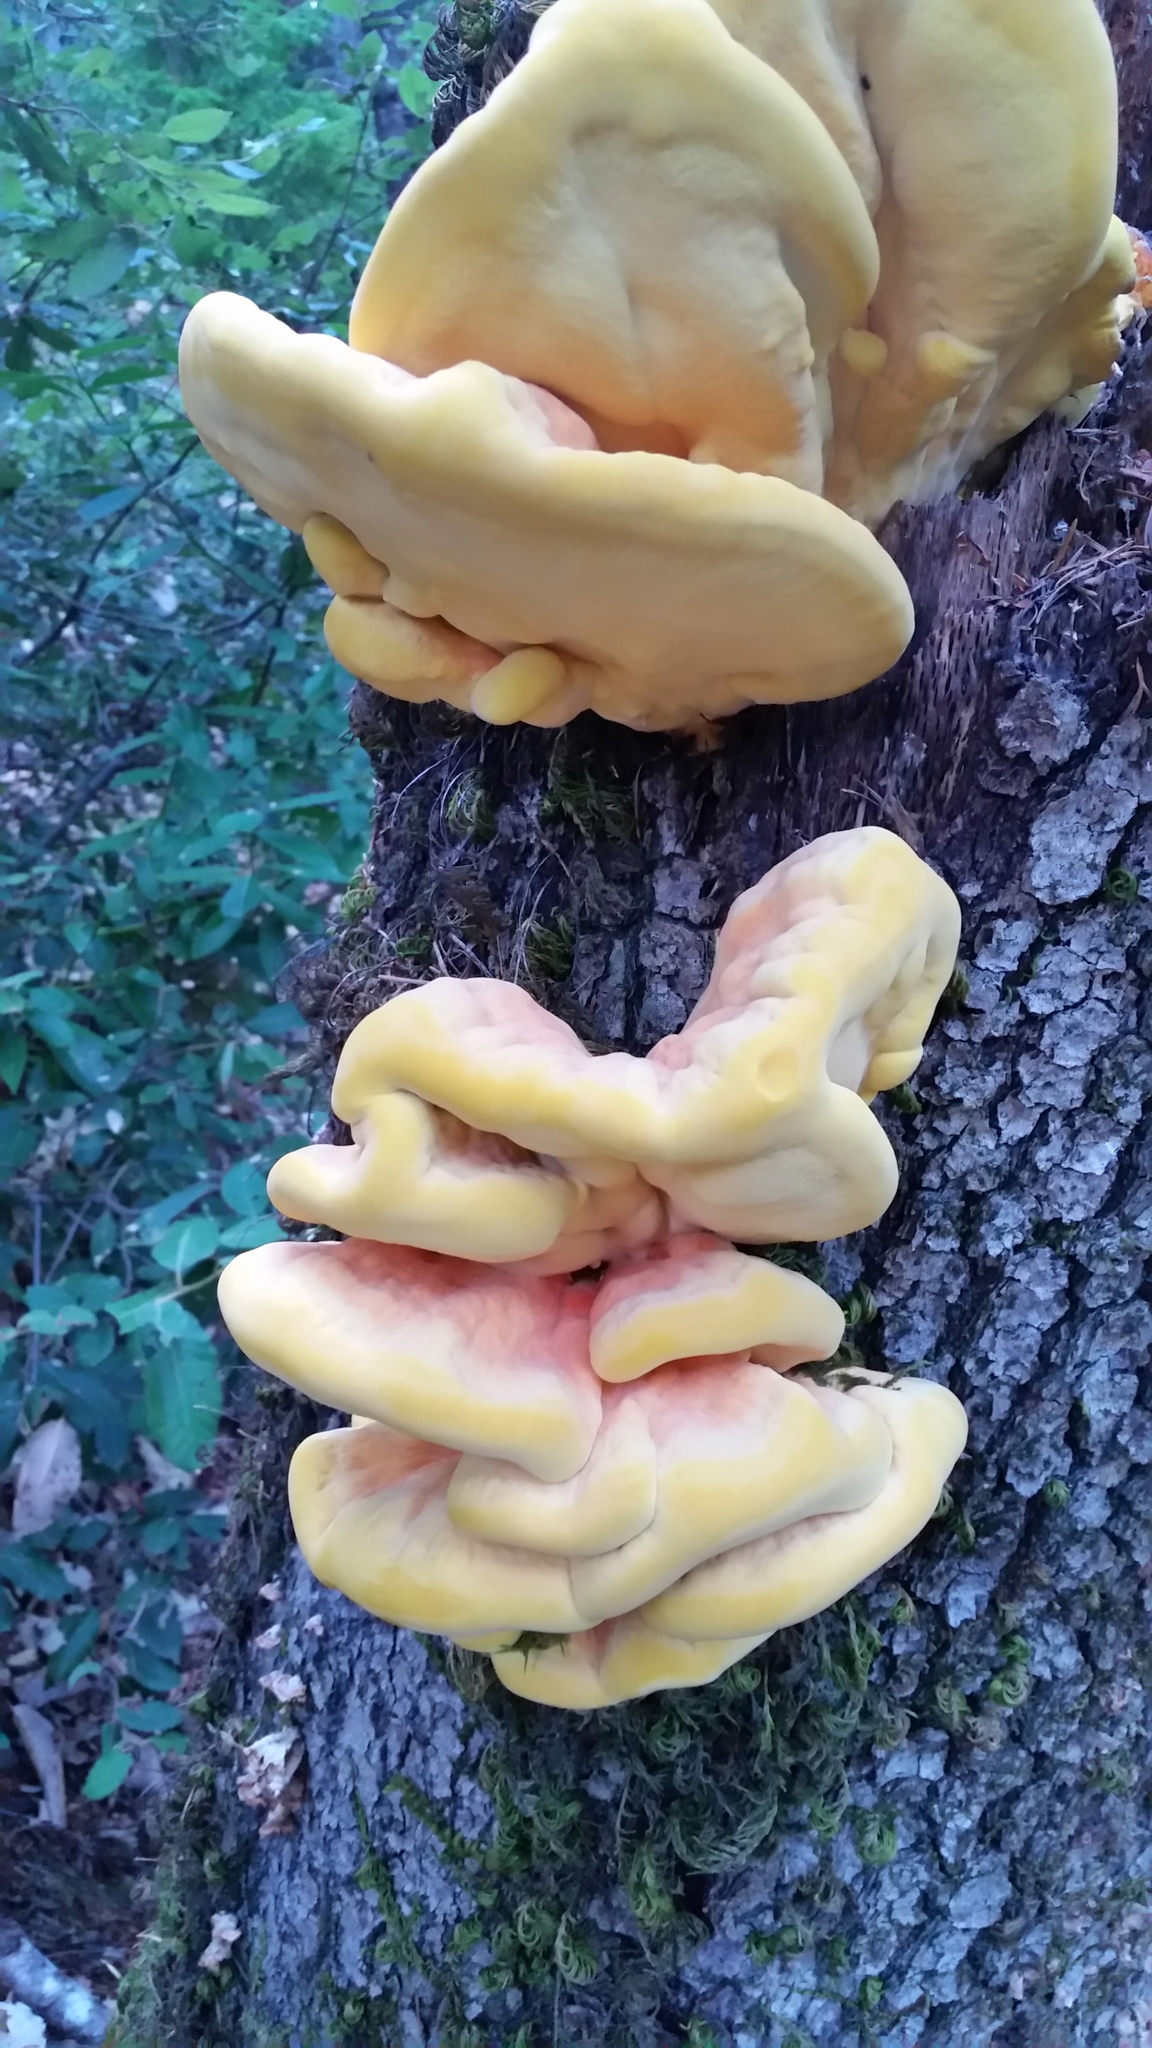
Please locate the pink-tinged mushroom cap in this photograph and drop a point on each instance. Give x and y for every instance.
(621, 1660)
(370, 1513)
(473, 1357)
(435, 1541)
(660, 592)
(753, 1120)
(692, 1295)
(785, 1577)
(732, 1448)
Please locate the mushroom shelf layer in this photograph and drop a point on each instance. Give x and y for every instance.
(483, 1128)
(530, 575)
(647, 346)
(660, 1525)
(573, 1415)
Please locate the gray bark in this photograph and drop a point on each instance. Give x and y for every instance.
(921, 1821)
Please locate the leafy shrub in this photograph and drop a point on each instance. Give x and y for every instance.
(181, 806)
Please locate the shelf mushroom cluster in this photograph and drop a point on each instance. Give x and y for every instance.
(645, 350)
(578, 1441)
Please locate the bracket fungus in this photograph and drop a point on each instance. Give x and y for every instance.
(983, 139)
(530, 575)
(483, 1128)
(649, 222)
(542, 1449)
(648, 346)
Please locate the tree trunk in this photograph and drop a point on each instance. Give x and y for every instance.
(921, 1819)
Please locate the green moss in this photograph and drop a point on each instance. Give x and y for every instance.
(875, 1832)
(905, 1101)
(697, 2034)
(1121, 886)
(468, 810)
(598, 809)
(358, 897)
(955, 996)
(696, 1782)
(548, 950)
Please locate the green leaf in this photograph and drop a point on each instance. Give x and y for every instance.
(155, 1309)
(191, 245)
(107, 1774)
(182, 1402)
(199, 124)
(67, 239)
(210, 939)
(151, 1673)
(175, 1744)
(103, 1235)
(43, 1322)
(227, 198)
(240, 896)
(11, 476)
(152, 1717)
(187, 1243)
(13, 1055)
(30, 1573)
(277, 1021)
(416, 91)
(253, 1231)
(31, 137)
(162, 1535)
(103, 506)
(86, 1057)
(19, 1137)
(99, 268)
(153, 1221)
(79, 1636)
(243, 1188)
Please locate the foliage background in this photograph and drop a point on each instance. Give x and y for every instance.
(182, 807)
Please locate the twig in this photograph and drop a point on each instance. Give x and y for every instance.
(32, 1366)
(68, 2006)
(72, 609)
(316, 266)
(98, 780)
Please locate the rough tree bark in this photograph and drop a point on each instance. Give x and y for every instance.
(922, 1820)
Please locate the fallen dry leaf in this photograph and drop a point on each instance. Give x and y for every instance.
(39, 1739)
(271, 1591)
(282, 1819)
(269, 1763)
(285, 1687)
(313, 1626)
(50, 1473)
(226, 1933)
(165, 1476)
(272, 1777)
(270, 1640)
